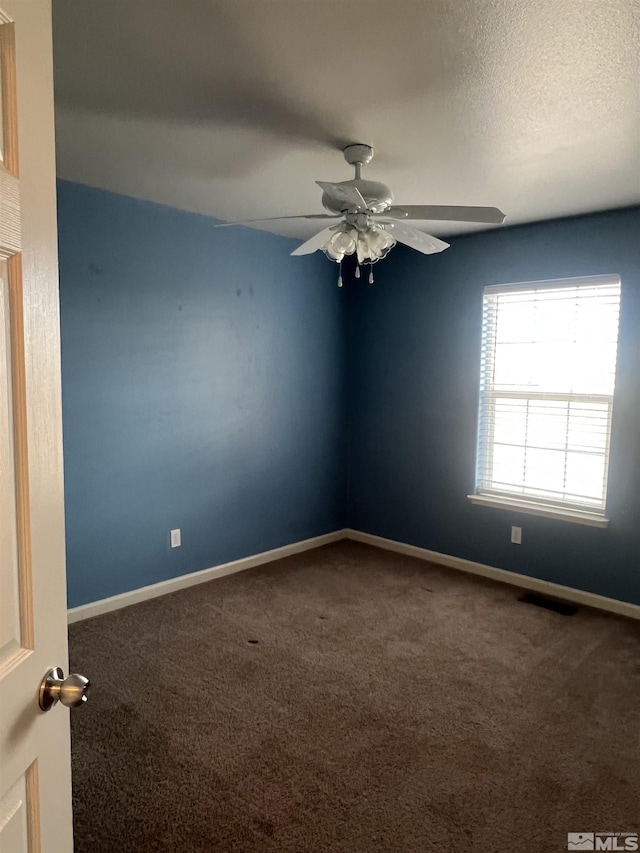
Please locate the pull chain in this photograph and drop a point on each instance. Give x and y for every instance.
(340, 275)
(370, 273)
(358, 271)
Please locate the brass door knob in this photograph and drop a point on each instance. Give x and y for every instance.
(54, 687)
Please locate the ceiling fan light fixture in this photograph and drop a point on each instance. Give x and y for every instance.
(341, 243)
(379, 243)
(373, 244)
(370, 244)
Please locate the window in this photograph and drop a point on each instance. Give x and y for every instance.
(546, 396)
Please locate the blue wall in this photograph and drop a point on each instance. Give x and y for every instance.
(414, 346)
(202, 389)
(210, 382)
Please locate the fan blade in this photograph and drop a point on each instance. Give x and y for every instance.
(453, 214)
(276, 218)
(349, 196)
(315, 243)
(424, 243)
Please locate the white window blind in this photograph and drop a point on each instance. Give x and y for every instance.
(546, 391)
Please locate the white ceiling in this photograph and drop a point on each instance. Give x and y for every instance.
(234, 107)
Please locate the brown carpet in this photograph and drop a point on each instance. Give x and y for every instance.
(354, 700)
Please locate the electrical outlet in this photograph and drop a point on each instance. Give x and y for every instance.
(516, 535)
(176, 538)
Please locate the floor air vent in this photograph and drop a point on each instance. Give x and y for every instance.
(555, 604)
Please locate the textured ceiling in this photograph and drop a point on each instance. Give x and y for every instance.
(234, 107)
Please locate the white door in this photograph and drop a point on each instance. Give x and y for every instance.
(35, 774)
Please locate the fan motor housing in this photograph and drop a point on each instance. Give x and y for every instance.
(377, 196)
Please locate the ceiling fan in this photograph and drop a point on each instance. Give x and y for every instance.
(369, 223)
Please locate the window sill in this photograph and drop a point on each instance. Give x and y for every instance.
(513, 504)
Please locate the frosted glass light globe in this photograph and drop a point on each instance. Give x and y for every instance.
(377, 240)
(333, 253)
(343, 242)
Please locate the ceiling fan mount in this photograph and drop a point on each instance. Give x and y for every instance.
(358, 154)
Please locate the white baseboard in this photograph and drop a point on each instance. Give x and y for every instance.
(577, 596)
(115, 602)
